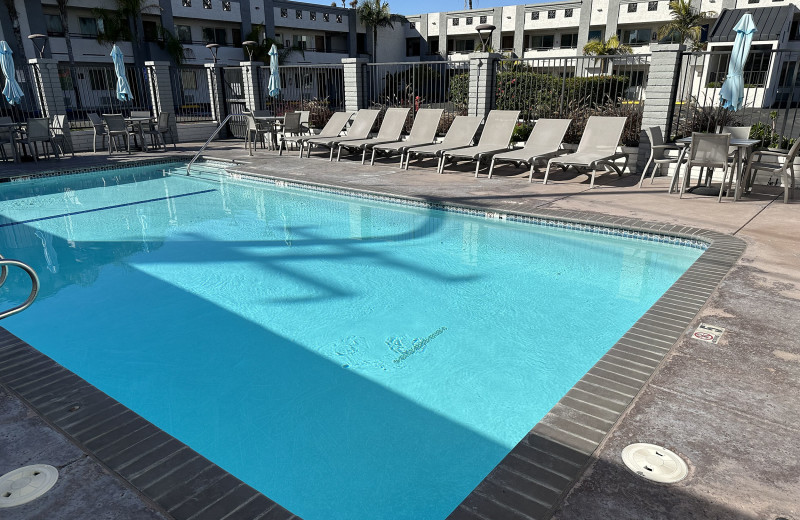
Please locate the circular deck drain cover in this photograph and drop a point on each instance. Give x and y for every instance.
(26, 484)
(654, 463)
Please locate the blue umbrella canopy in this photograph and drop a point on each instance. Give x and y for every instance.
(274, 86)
(731, 95)
(123, 88)
(12, 90)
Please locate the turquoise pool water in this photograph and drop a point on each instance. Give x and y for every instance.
(349, 359)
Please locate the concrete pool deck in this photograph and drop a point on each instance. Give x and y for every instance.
(728, 408)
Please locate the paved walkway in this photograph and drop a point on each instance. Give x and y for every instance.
(730, 408)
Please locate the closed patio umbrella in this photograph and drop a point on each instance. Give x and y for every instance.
(11, 91)
(274, 86)
(731, 95)
(123, 88)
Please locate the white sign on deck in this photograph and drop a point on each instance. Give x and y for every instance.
(708, 333)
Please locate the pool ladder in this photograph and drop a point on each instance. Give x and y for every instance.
(4, 264)
(213, 135)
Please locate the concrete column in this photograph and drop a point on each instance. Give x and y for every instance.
(216, 91)
(443, 34)
(158, 73)
(354, 87)
(269, 17)
(519, 31)
(583, 27)
(481, 82)
(251, 84)
(352, 33)
(48, 91)
(497, 35)
(612, 17)
(422, 28)
(660, 93)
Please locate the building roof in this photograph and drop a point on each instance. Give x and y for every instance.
(770, 21)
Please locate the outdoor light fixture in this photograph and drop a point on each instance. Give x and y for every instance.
(213, 48)
(485, 31)
(34, 39)
(248, 45)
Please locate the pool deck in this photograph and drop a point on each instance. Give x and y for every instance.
(730, 409)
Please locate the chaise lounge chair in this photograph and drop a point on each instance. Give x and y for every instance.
(360, 129)
(543, 143)
(461, 134)
(392, 126)
(331, 130)
(423, 132)
(495, 138)
(598, 147)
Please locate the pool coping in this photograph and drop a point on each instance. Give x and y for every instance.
(530, 482)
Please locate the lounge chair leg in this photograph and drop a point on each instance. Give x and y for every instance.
(338, 155)
(546, 172)
(330, 159)
(363, 155)
(533, 167)
(372, 160)
(491, 168)
(644, 170)
(477, 166)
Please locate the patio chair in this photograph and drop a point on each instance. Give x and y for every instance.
(784, 170)
(161, 129)
(360, 129)
(707, 151)
(460, 134)
(332, 129)
(8, 136)
(391, 127)
(658, 153)
(291, 125)
(543, 143)
(59, 137)
(254, 132)
(495, 138)
(38, 131)
(423, 132)
(116, 127)
(598, 147)
(99, 130)
(305, 121)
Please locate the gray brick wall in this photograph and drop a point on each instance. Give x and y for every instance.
(353, 83)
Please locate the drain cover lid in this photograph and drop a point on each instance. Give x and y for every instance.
(654, 463)
(26, 484)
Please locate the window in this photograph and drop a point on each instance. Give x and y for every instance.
(412, 47)
(455, 22)
(88, 27)
(298, 14)
(596, 35)
(326, 17)
(226, 5)
(101, 79)
(187, 3)
(300, 41)
(184, 33)
(312, 15)
(150, 30)
(542, 41)
(632, 8)
(569, 41)
(412, 25)
(284, 12)
(208, 35)
(507, 42)
(206, 4)
(433, 45)
(338, 18)
(652, 6)
(535, 15)
(567, 13)
(483, 19)
(469, 20)
(551, 14)
(361, 43)
(463, 45)
(188, 79)
(236, 37)
(212, 35)
(53, 23)
(636, 36)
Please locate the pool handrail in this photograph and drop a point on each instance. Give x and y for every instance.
(4, 263)
(213, 135)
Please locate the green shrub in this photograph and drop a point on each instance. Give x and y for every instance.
(459, 91)
(769, 137)
(522, 131)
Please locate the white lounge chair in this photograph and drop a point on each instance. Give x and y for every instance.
(460, 134)
(495, 138)
(391, 127)
(332, 129)
(423, 132)
(543, 143)
(360, 129)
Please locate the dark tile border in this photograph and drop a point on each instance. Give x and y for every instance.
(529, 483)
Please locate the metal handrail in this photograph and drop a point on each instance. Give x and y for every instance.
(34, 285)
(213, 135)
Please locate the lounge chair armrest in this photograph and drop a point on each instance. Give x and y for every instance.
(772, 152)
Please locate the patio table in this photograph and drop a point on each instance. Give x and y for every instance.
(138, 123)
(15, 128)
(275, 121)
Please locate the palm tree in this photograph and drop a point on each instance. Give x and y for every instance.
(126, 24)
(687, 23)
(609, 47)
(374, 13)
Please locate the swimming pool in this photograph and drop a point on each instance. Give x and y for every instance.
(348, 358)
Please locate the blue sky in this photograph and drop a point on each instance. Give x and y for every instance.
(433, 6)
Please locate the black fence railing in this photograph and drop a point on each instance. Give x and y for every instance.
(442, 85)
(190, 94)
(235, 100)
(316, 88)
(93, 89)
(771, 79)
(28, 105)
(573, 88)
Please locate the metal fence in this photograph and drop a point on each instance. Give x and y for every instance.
(574, 88)
(771, 95)
(28, 105)
(442, 85)
(235, 100)
(190, 94)
(93, 89)
(316, 88)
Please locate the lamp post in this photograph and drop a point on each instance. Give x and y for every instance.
(34, 38)
(213, 48)
(248, 46)
(485, 31)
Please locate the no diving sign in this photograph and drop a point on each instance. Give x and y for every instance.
(708, 333)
